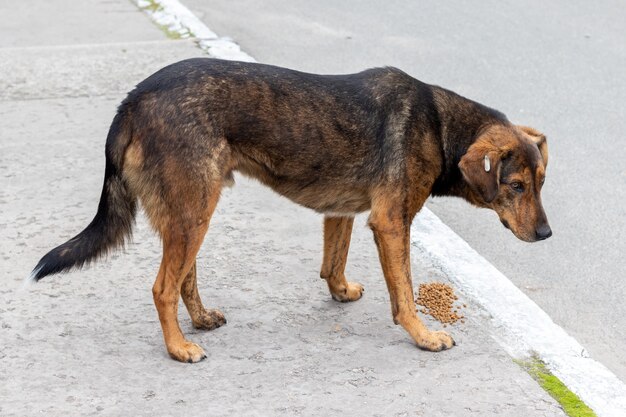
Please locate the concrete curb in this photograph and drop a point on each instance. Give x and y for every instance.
(178, 19)
(522, 327)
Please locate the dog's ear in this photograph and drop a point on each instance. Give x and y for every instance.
(480, 167)
(539, 139)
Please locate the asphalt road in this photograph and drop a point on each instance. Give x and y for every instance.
(558, 66)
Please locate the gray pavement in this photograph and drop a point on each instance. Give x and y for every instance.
(558, 66)
(68, 22)
(89, 342)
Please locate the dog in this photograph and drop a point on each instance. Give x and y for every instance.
(378, 140)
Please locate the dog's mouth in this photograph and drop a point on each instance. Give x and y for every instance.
(518, 235)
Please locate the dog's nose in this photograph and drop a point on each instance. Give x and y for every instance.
(543, 232)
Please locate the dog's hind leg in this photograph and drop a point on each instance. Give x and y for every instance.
(182, 238)
(200, 317)
(337, 231)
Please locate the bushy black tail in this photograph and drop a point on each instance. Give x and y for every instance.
(113, 222)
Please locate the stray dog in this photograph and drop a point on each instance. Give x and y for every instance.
(378, 140)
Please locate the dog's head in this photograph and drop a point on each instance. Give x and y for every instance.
(505, 169)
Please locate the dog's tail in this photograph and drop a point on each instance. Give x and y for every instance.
(113, 222)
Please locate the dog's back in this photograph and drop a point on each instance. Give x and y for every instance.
(322, 140)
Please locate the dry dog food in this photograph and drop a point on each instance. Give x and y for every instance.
(437, 300)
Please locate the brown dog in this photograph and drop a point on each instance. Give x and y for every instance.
(339, 144)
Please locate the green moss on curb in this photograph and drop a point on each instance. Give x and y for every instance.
(571, 404)
(153, 6)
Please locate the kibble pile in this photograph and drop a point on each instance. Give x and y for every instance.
(437, 300)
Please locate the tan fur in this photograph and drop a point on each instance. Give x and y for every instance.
(388, 220)
(181, 242)
(337, 232)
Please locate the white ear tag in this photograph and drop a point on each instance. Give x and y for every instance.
(487, 164)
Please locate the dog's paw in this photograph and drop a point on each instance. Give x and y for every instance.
(187, 352)
(351, 292)
(436, 341)
(209, 320)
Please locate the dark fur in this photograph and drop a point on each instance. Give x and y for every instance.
(338, 144)
(111, 225)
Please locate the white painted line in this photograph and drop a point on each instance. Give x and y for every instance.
(522, 328)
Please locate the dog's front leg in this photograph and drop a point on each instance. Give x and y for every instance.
(337, 232)
(391, 233)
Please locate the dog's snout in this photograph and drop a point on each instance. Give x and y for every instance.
(543, 232)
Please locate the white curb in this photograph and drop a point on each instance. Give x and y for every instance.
(179, 19)
(522, 327)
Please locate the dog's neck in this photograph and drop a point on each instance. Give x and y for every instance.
(461, 121)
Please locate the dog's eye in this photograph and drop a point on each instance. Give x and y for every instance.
(517, 186)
